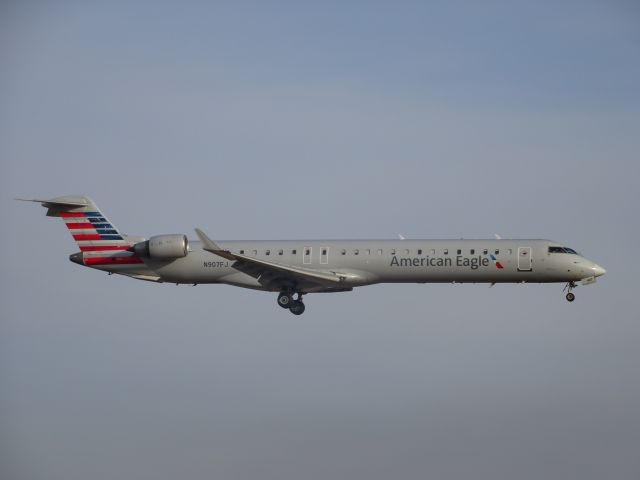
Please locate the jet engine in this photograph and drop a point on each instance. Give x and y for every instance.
(163, 246)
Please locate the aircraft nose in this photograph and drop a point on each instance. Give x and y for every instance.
(598, 270)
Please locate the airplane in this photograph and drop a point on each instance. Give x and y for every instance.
(294, 268)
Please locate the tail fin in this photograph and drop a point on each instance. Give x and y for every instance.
(90, 228)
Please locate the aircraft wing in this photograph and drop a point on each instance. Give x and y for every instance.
(271, 272)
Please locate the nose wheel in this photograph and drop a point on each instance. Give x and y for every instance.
(295, 306)
(570, 295)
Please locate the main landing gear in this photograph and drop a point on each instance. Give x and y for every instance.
(286, 300)
(568, 287)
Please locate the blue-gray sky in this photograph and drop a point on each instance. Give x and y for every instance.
(320, 120)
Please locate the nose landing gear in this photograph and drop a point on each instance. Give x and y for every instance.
(568, 287)
(286, 300)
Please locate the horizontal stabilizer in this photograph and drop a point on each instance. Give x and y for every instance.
(56, 203)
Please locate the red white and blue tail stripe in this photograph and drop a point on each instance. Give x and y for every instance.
(100, 242)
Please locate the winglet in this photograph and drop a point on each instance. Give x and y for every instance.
(211, 246)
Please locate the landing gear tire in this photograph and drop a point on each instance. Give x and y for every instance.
(285, 300)
(297, 307)
(568, 287)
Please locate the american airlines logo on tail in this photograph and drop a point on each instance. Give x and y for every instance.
(95, 235)
(86, 226)
(100, 242)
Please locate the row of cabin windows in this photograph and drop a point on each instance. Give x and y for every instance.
(380, 251)
(268, 252)
(419, 251)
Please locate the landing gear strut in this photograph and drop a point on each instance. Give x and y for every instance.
(570, 296)
(286, 300)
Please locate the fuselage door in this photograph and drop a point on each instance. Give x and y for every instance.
(524, 259)
(324, 255)
(306, 255)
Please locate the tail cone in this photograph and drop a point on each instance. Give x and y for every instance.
(77, 258)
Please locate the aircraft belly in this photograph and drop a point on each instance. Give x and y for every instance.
(194, 268)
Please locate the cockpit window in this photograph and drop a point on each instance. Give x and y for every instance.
(562, 250)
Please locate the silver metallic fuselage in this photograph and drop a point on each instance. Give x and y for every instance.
(365, 262)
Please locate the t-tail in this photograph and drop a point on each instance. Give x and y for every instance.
(100, 242)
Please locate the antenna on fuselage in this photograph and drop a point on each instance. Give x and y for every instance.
(401, 237)
(498, 237)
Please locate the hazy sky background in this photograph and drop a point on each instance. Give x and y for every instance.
(320, 120)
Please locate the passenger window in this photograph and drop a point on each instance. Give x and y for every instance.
(485, 251)
(510, 251)
(379, 251)
(268, 252)
(406, 252)
(368, 251)
(343, 251)
(472, 251)
(280, 252)
(392, 251)
(293, 252)
(497, 252)
(307, 252)
(446, 251)
(355, 252)
(241, 252)
(324, 251)
(419, 251)
(255, 252)
(459, 252)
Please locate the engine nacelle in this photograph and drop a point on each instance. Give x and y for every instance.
(163, 246)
